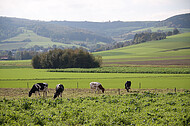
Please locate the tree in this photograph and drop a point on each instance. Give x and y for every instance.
(175, 31)
(169, 33)
(10, 55)
(36, 62)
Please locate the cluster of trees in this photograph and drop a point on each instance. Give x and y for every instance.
(150, 36)
(66, 58)
(175, 32)
(64, 34)
(144, 37)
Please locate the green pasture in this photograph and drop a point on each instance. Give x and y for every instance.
(19, 78)
(177, 45)
(35, 40)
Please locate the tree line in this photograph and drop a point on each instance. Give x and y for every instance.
(67, 58)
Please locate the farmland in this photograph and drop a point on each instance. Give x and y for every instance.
(152, 100)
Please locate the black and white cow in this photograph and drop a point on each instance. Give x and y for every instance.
(59, 90)
(128, 85)
(97, 86)
(39, 87)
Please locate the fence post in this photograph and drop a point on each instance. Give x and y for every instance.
(139, 85)
(119, 91)
(27, 85)
(175, 90)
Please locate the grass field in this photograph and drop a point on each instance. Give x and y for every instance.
(175, 50)
(18, 78)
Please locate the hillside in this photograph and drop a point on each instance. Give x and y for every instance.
(10, 27)
(175, 50)
(90, 35)
(28, 39)
(178, 21)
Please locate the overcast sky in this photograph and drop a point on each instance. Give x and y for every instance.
(94, 10)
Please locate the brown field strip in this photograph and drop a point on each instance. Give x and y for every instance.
(72, 93)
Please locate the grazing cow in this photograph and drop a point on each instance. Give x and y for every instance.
(128, 85)
(96, 86)
(39, 87)
(59, 90)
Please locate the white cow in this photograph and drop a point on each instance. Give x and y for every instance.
(97, 86)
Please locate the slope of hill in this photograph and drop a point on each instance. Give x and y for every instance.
(10, 27)
(178, 21)
(175, 50)
(29, 39)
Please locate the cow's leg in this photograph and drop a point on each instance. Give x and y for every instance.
(46, 93)
(96, 90)
(39, 93)
(43, 94)
(91, 90)
(36, 93)
(127, 89)
(61, 94)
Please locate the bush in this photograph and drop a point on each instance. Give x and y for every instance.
(67, 58)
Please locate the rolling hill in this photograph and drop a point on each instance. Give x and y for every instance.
(175, 50)
(29, 39)
(89, 35)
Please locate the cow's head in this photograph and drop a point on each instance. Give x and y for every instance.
(55, 95)
(29, 94)
(103, 89)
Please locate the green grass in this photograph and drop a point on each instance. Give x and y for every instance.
(18, 78)
(131, 109)
(10, 64)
